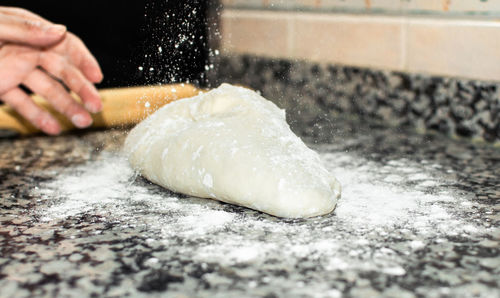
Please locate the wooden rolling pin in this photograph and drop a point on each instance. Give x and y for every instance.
(120, 107)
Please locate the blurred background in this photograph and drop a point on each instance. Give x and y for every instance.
(429, 64)
(443, 37)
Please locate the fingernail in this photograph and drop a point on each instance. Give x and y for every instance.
(93, 107)
(56, 29)
(98, 77)
(81, 121)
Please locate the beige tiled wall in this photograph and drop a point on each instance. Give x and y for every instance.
(451, 47)
(454, 47)
(368, 41)
(256, 33)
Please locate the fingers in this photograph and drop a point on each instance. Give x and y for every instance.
(72, 45)
(15, 63)
(80, 56)
(24, 105)
(90, 67)
(88, 63)
(42, 84)
(21, 12)
(59, 67)
(29, 31)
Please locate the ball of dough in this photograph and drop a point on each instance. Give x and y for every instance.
(232, 145)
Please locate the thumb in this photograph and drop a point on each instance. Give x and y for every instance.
(15, 29)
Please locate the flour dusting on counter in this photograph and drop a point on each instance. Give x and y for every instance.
(380, 204)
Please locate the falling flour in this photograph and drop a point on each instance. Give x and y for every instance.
(399, 199)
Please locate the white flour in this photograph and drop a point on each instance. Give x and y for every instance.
(379, 202)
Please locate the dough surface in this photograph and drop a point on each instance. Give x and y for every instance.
(232, 145)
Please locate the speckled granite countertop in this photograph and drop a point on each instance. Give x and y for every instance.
(419, 217)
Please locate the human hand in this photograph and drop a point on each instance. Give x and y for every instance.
(46, 59)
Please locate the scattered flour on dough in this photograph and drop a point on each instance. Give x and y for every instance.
(214, 140)
(379, 201)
